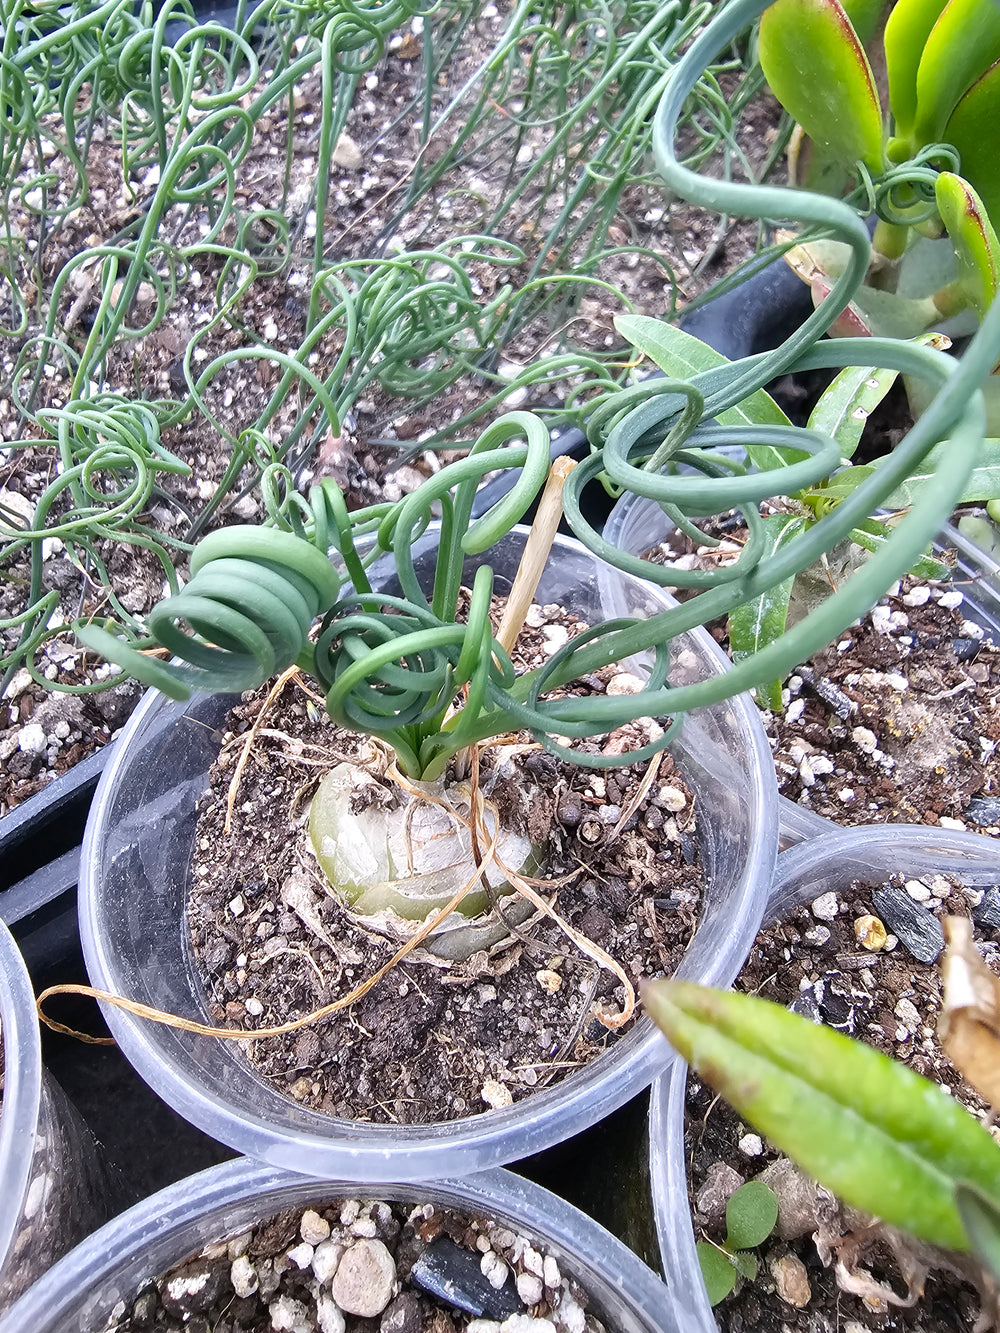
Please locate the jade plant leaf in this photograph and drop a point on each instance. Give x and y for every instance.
(818, 70)
(972, 130)
(679, 354)
(881, 1137)
(871, 311)
(971, 233)
(864, 16)
(762, 620)
(906, 30)
(717, 1270)
(964, 41)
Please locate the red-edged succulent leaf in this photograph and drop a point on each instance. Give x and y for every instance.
(817, 68)
(972, 129)
(971, 233)
(963, 43)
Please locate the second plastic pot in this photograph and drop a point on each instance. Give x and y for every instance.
(52, 1187)
(79, 1294)
(821, 865)
(133, 888)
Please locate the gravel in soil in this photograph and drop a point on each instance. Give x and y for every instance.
(434, 1042)
(896, 721)
(365, 1266)
(891, 999)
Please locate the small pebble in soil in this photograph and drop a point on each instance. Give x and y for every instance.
(987, 911)
(456, 1277)
(917, 930)
(984, 811)
(870, 933)
(791, 1281)
(826, 907)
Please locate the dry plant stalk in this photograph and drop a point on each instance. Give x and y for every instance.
(969, 1027)
(536, 553)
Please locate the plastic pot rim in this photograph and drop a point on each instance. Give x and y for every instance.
(338, 1147)
(165, 1219)
(22, 1088)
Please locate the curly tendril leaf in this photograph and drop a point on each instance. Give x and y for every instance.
(975, 243)
(881, 1137)
(972, 130)
(248, 608)
(763, 202)
(817, 68)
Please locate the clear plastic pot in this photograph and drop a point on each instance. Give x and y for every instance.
(52, 1190)
(821, 865)
(79, 1294)
(133, 887)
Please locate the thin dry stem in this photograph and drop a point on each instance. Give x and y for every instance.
(234, 785)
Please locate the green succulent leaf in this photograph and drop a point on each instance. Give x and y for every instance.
(845, 407)
(964, 41)
(717, 1271)
(981, 1216)
(760, 621)
(865, 16)
(881, 1137)
(972, 130)
(751, 1215)
(817, 68)
(906, 30)
(971, 233)
(678, 353)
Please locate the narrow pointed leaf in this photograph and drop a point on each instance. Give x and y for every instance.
(679, 354)
(762, 620)
(981, 1217)
(818, 70)
(971, 233)
(881, 1137)
(983, 483)
(845, 407)
(963, 43)
(906, 30)
(972, 130)
(873, 534)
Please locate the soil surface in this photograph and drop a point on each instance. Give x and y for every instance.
(896, 721)
(433, 1042)
(890, 999)
(899, 719)
(365, 1266)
